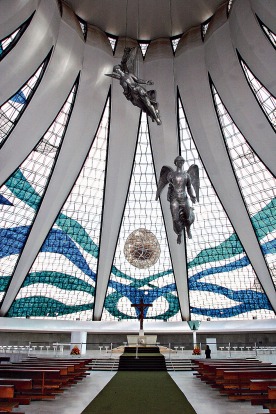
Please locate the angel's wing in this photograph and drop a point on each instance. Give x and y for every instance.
(163, 179)
(113, 75)
(128, 59)
(193, 171)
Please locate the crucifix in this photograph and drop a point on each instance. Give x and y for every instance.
(141, 307)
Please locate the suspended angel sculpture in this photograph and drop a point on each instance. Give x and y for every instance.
(179, 180)
(133, 91)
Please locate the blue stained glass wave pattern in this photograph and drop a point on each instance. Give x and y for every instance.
(256, 183)
(220, 275)
(24, 190)
(132, 292)
(62, 241)
(65, 268)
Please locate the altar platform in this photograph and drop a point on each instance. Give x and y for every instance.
(141, 340)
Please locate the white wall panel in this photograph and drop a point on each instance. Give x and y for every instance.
(218, 19)
(13, 13)
(86, 115)
(226, 72)
(252, 43)
(130, 326)
(266, 11)
(48, 99)
(192, 78)
(159, 67)
(30, 51)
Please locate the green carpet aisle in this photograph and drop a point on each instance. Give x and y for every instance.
(140, 392)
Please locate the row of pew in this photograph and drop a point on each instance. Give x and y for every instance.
(38, 379)
(241, 379)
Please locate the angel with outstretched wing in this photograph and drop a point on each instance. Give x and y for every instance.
(133, 91)
(181, 184)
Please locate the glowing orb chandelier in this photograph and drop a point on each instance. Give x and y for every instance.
(142, 249)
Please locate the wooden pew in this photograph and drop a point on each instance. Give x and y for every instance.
(220, 371)
(239, 380)
(270, 403)
(243, 385)
(53, 381)
(261, 384)
(204, 366)
(272, 393)
(240, 383)
(255, 387)
(42, 375)
(200, 362)
(6, 391)
(46, 374)
(8, 401)
(71, 369)
(76, 369)
(81, 364)
(244, 376)
(20, 384)
(75, 372)
(7, 406)
(80, 368)
(216, 378)
(213, 373)
(269, 400)
(39, 379)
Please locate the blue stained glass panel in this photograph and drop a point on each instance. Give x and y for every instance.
(129, 283)
(24, 191)
(61, 282)
(222, 282)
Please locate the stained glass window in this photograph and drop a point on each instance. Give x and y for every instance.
(222, 282)
(265, 99)
(24, 191)
(154, 284)
(204, 27)
(270, 35)
(62, 279)
(229, 5)
(7, 41)
(257, 184)
(10, 41)
(113, 42)
(144, 47)
(12, 109)
(83, 26)
(174, 42)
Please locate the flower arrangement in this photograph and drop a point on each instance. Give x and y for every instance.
(75, 351)
(196, 350)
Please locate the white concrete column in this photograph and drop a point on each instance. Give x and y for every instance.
(79, 339)
(194, 338)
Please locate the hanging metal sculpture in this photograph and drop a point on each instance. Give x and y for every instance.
(179, 181)
(133, 91)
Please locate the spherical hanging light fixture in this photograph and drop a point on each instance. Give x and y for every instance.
(142, 249)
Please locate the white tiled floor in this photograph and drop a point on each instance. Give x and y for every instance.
(73, 400)
(203, 398)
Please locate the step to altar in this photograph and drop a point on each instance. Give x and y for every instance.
(142, 349)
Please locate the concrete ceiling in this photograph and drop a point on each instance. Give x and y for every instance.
(145, 19)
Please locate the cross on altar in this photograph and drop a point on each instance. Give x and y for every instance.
(141, 307)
